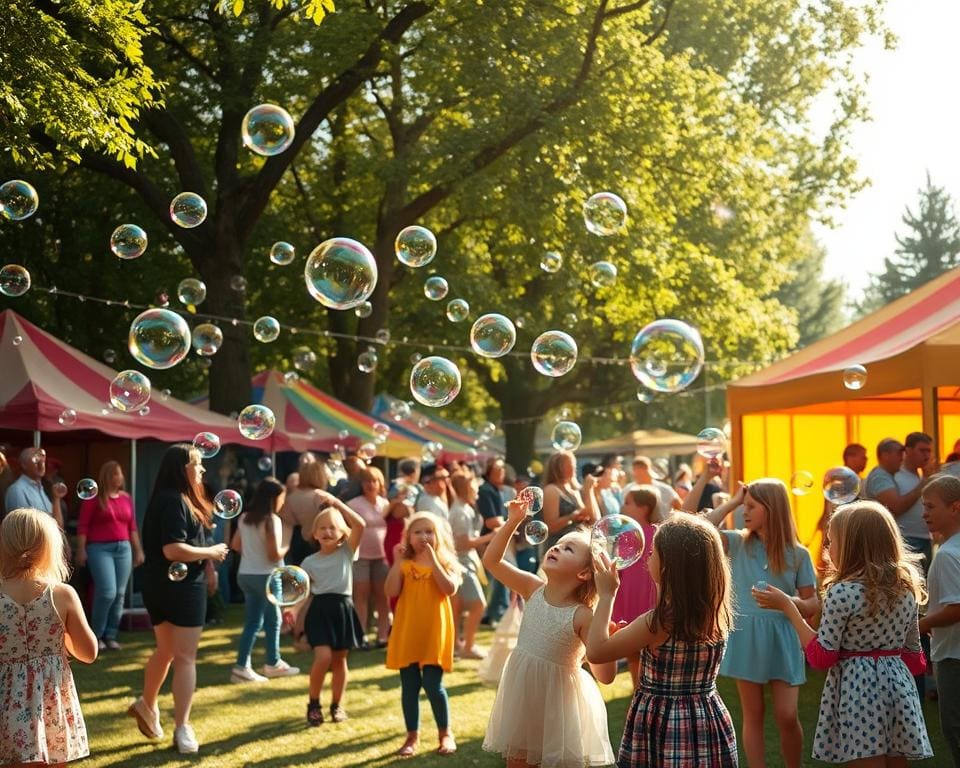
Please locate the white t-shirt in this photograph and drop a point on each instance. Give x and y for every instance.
(253, 556)
(943, 583)
(910, 522)
(434, 504)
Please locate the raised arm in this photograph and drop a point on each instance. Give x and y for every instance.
(692, 502)
(512, 577)
(356, 523)
(716, 516)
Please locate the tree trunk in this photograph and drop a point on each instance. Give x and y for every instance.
(521, 437)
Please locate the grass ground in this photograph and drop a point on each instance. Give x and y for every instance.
(265, 725)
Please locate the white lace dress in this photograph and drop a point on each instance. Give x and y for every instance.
(548, 709)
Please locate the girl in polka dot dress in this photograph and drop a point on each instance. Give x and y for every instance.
(869, 641)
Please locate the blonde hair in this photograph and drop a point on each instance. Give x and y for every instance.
(870, 550)
(771, 493)
(944, 487)
(586, 591)
(313, 474)
(372, 473)
(31, 546)
(335, 516)
(551, 472)
(103, 482)
(446, 553)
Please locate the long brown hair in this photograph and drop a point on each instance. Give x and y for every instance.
(172, 476)
(103, 480)
(695, 603)
(781, 528)
(551, 472)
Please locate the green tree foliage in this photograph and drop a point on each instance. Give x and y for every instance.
(817, 302)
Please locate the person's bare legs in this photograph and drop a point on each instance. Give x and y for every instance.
(185, 643)
(158, 665)
(881, 761)
(751, 702)
(322, 656)
(361, 601)
(785, 697)
(471, 623)
(339, 682)
(382, 603)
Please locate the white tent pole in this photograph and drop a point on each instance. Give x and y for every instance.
(36, 438)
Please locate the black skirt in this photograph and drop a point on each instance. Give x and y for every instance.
(333, 621)
(182, 603)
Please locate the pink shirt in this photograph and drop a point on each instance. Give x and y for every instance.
(115, 523)
(374, 535)
(638, 590)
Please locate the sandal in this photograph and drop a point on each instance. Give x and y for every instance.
(447, 745)
(409, 747)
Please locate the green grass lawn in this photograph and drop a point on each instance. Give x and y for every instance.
(265, 725)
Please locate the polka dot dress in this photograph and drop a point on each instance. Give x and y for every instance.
(869, 707)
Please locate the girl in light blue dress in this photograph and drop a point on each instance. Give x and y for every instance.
(763, 649)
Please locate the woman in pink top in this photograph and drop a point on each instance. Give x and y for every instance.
(108, 543)
(370, 568)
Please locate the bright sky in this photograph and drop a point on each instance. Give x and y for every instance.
(915, 128)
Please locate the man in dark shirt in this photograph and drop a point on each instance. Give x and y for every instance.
(491, 509)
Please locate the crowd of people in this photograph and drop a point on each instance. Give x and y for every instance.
(724, 587)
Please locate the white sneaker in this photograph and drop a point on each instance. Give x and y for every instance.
(245, 675)
(185, 740)
(280, 669)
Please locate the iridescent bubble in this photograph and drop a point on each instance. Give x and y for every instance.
(14, 280)
(87, 488)
(18, 200)
(382, 336)
(207, 444)
(435, 288)
(238, 283)
(605, 214)
(67, 417)
(553, 353)
(282, 253)
(711, 443)
(304, 358)
(415, 358)
(423, 422)
(128, 241)
(415, 246)
(532, 496)
(264, 463)
(145, 411)
(227, 504)
(801, 483)
(367, 452)
(341, 273)
(603, 274)
(535, 532)
(566, 436)
(109, 356)
(435, 381)
(129, 391)
(429, 451)
(621, 537)
(381, 432)
(188, 210)
(177, 571)
(267, 130)
(344, 434)
(159, 338)
(855, 377)
(493, 335)
(522, 321)
(644, 395)
(367, 361)
(841, 485)
(551, 262)
(667, 355)
(266, 329)
(399, 410)
(207, 339)
(191, 292)
(287, 586)
(458, 310)
(363, 309)
(164, 395)
(291, 377)
(256, 422)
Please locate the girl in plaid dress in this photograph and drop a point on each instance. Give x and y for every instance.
(676, 719)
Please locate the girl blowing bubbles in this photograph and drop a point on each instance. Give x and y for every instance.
(41, 621)
(548, 710)
(870, 714)
(677, 718)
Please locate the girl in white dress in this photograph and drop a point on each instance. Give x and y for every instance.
(548, 710)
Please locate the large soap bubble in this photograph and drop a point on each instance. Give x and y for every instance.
(536, 532)
(227, 504)
(287, 586)
(188, 210)
(128, 241)
(267, 130)
(129, 391)
(207, 444)
(711, 443)
(177, 571)
(159, 338)
(532, 496)
(566, 436)
(341, 273)
(415, 246)
(266, 329)
(256, 422)
(18, 200)
(553, 353)
(841, 485)
(435, 288)
(207, 339)
(621, 537)
(191, 291)
(605, 214)
(14, 280)
(282, 253)
(493, 335)
(435, 381)
(855, 377)
(667, 355)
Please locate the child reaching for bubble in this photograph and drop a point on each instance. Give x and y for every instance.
(548, 710)
(41, 624)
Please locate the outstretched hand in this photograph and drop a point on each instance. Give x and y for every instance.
(517, 509)
(605, 574)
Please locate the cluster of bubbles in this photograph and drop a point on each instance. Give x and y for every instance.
(227, 504)
(566, 436)
(711, 443)
(341, 273)
(621, 537)
(855, 377)
(128, 242)
(667, 355)
(267, 130)
(435, 381)
(207, 444)
(554, 353)
(14, 280)
(188, 210)
(266, 329)
(191, 292)
(256, 422)
(287, 586)
(282, 253)
(18, 200)
(129, 391)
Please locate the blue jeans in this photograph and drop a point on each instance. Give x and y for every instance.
(430, 678)
(110, 563)
(257, 612)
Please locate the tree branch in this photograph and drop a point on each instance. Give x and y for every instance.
(625, 9)
(168, 37)
(663, 24)
(163, 125)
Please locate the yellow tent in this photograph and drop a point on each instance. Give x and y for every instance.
(797, 414)
(654, 442)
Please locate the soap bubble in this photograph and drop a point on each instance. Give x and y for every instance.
(605, 214)
(488, 429)
(207, 444)
(458, 310)
(239, 284)
(367, 452)
(14, 280)
(566, 436)
(429, 451)
(256, 422)
(177, 571)
(644, 395)
(341, 273)
(87, 488)
(621, 537)
(551, 262)
(109, 356)
(363, 309)
(191, 291)
(493, 335)
(159, 338)
(603, 274)
(435, 288)
(532, 496)
(188, 210)
(380, 432)
(264, 463)
(801, 483)
(128, 241)
(553, 353)
(521, 321)
(287, 586)
(282, 253)
(415, 246)
(570, 319)
(207, 339)
(382, 336)
(265, 329)
(129, 391)
(291, 377)
(399, 410)
(164, 395)
(667, 355)
(18, 200)
(841, 485)
(423, 422)
(304, 358)
(67, 417)
(415, 358)
(711, 443)
(535, 532)
(267, 130)
(227, 504)
(855, 377)
(367, 361)
(344, 434)
(435, 381)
